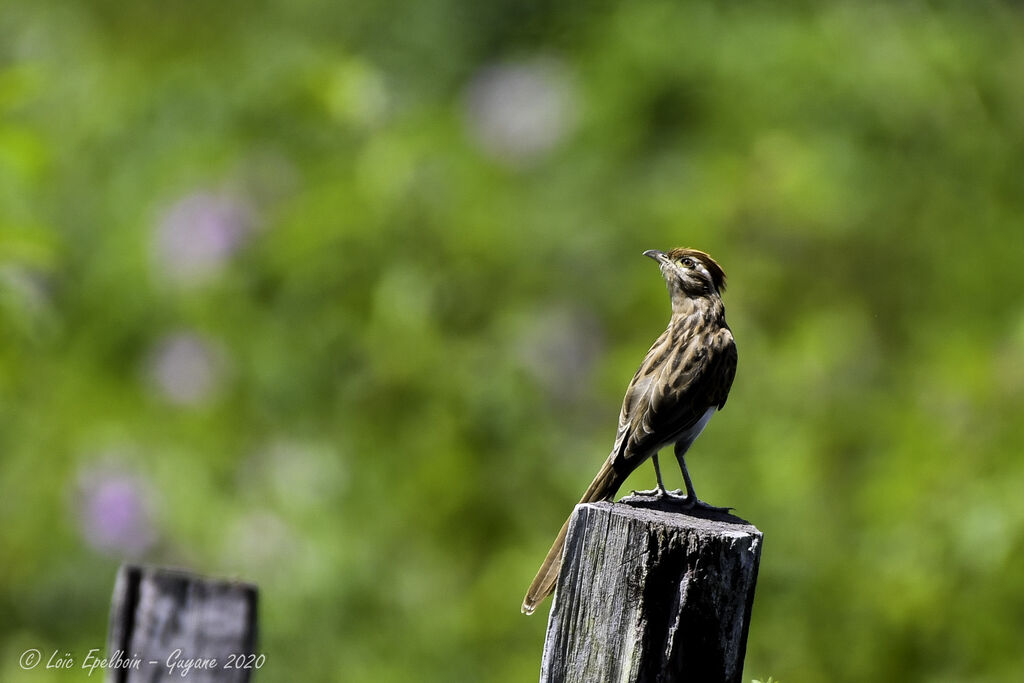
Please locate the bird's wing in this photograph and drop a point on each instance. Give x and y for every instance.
(681, 377)
(727, 357)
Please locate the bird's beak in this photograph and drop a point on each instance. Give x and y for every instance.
(656, 255)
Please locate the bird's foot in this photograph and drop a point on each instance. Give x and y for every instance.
(649, 493)
(676, 496)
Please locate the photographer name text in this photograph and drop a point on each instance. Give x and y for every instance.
(176, 663)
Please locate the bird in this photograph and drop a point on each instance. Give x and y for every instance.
(683, 380)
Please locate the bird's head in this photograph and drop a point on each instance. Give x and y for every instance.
(689, 272)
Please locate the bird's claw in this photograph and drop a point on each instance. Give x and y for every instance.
(649, 493)
(677, 496)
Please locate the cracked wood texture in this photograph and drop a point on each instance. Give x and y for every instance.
(157, 614)
(648, 594)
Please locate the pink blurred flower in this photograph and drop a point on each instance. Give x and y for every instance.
(198, 234)
(185, 369)
(519, 111)
(559, 346)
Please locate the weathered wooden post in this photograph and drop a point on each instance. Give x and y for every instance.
(170, 625)
(648, 594)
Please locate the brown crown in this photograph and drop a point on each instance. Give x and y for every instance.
(717, 274)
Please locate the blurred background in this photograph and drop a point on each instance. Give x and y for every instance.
(342, 298)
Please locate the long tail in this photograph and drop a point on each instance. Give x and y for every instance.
(604, 486)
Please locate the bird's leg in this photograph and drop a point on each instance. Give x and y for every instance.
(691, 496)
(659, 492)
(657, 474)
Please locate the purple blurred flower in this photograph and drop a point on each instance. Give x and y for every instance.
(114, 511)
(517, 112)
(185, 369)
(197, 234)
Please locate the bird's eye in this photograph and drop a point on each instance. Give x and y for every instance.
(687, 262)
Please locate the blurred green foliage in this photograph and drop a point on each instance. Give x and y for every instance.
(342, 299)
